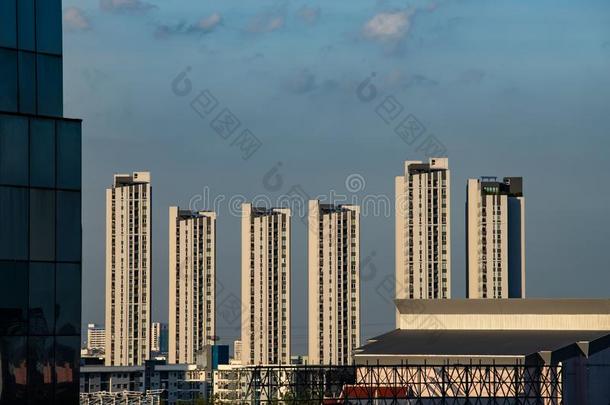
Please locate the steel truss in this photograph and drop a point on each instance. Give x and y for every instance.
(402, 384)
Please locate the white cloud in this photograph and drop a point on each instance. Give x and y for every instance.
(208, 23)
(75, 19)
(388, 25)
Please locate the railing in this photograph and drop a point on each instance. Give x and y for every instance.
(401, 384)
(152, 397)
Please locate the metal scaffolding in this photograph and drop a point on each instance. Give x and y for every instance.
(402, 384)
(152, 397)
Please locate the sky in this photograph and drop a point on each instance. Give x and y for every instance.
(320, 90)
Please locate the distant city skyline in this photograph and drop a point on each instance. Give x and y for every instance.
(508, 89)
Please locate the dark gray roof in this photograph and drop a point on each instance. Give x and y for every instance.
(401, 342)
(504, 306)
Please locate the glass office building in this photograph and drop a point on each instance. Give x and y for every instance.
(40, 211)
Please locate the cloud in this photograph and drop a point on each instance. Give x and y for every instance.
(75, 19)
(303, 82)
(203, 26)
(388, 26)
(266, 23)
(308, 14)
(127, 6)
(207, 24)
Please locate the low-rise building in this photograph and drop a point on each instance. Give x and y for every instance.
(176, 382)
(227, 384)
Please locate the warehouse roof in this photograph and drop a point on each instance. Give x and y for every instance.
(458, 343)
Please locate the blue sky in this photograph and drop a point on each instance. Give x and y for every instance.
(510, 89)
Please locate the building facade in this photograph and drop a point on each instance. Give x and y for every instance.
(237, 351)
(159, 339)
(40, 211)
(173, 383)
(192, 281)
(423, 230)
(96, 338)
(265, 285)
(334, 282)
(495, 238)
(128, 269)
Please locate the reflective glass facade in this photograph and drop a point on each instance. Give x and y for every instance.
(40, 211)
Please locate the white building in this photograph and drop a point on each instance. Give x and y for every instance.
(96, 338)
(128, 269)
(495, 237)
(423, 230)
(227, 384)
(265, 289)
(334, 282)
(237, 352)
(192, 281)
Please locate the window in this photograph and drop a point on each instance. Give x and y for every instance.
(42, 225)
(8, 84)
(13, 298)
(67, 299)
(8, 23)
(42, 153)
(26, 33)
(68, 234)
(27, 82)
(14, 357)
(50, 83)
(13, 148)
(40, 363)
(42, 299)
(69, 155)
(14, 220)
(67, 354)
(48, 26)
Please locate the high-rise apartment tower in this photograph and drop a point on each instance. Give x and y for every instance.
(192, 283)
(265, 285)
(495, 238)
(128, 269)
(423, 230)
(334, 282)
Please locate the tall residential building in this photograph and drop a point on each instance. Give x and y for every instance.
(495, 237)
(334, 282)
(265, 285)
(423, 230)
(128, 269)
(96, 337)
(237, 350)
(192, 282)
(155, 337)
(40, 211)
